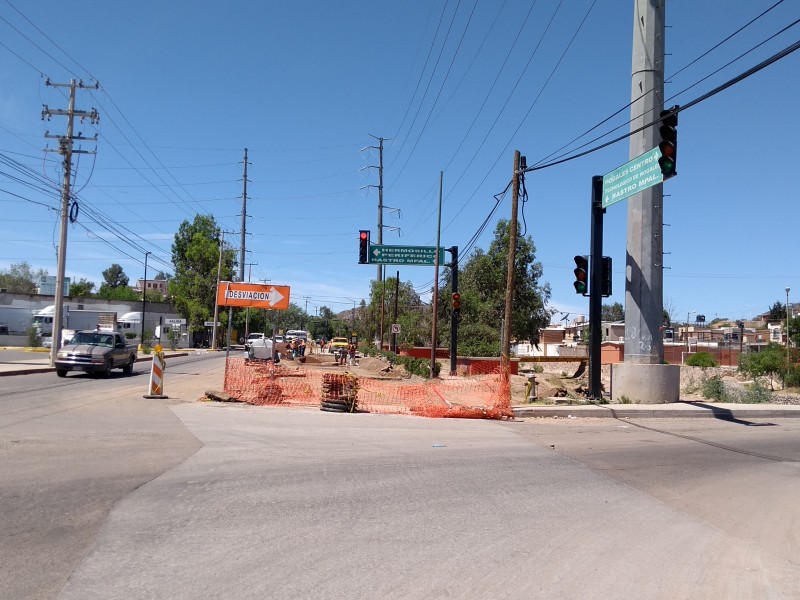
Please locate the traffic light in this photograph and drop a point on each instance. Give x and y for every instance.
(669, 142)
(363, 247)
(581, 275)
(606, 284)
(456, 303)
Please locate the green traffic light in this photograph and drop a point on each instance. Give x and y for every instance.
(580, 287)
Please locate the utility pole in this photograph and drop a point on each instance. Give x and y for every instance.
(66, 150)
(643, 376)
(244, 219)
(219, 276)
(379, 148)
(434, 302)
(644, 285)
(505, 354)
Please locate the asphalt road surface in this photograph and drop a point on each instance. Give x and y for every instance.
(69, 449)
(114, 497)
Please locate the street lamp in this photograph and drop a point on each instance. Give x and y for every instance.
(787, 329)
(144, 295)
(688, 314)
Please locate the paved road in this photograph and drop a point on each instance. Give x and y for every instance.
(69, 449)
(231, 501)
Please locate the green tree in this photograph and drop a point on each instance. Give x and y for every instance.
(413, 317)
(115, 285)
(482, 285)
(119, 293)
(777, 312)
(82, 288)
(21, 278)
(794, 331)
(771, 362)
(613, 312)
(114, 277)
(195, 256)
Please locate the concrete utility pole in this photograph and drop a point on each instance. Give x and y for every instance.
(66, 150)
(505, 354)
(644, 269)
(244, 219)
(380, 207)
(644, 289)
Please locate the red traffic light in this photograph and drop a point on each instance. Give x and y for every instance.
(363, 247)
(456, 301)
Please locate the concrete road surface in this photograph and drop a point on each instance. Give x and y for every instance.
(297, 503)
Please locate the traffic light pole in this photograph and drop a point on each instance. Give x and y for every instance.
(596, 289)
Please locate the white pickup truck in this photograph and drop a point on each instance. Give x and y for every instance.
(95, 351)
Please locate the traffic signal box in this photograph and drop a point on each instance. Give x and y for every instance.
(669, 142)
(606, 283)
(581, 275)
(363, 247)
(456, 304)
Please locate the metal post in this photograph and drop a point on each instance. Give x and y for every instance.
(787, 330)
(595, 289)
(216, 306)
(394, 317)
(144, 297)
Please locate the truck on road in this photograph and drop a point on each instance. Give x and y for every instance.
(95, 351)
(74, 319)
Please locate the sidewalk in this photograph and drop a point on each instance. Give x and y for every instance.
(676, 410)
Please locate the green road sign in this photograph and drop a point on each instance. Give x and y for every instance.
(404, 255)
(631, 178)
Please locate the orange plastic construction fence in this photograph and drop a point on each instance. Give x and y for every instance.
(481, 396)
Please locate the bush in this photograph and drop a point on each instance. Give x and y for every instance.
(702, 360)
(714, 389)
(756, 394)
(34, 339)
(792, 378)
(415, 366)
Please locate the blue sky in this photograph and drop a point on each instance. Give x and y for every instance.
(454, 86)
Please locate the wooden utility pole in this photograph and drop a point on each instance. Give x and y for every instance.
(505, 354)
(66, 150)
(434, 302)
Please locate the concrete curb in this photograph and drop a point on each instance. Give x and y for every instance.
(677, 410)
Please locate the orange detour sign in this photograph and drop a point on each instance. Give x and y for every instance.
(253, 295)
(156, 386)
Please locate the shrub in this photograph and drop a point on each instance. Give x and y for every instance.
(792, 378)
(756, 394)
(34, 339)
(702, 360)
(714, 389)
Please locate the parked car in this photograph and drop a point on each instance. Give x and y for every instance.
(95, 352)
